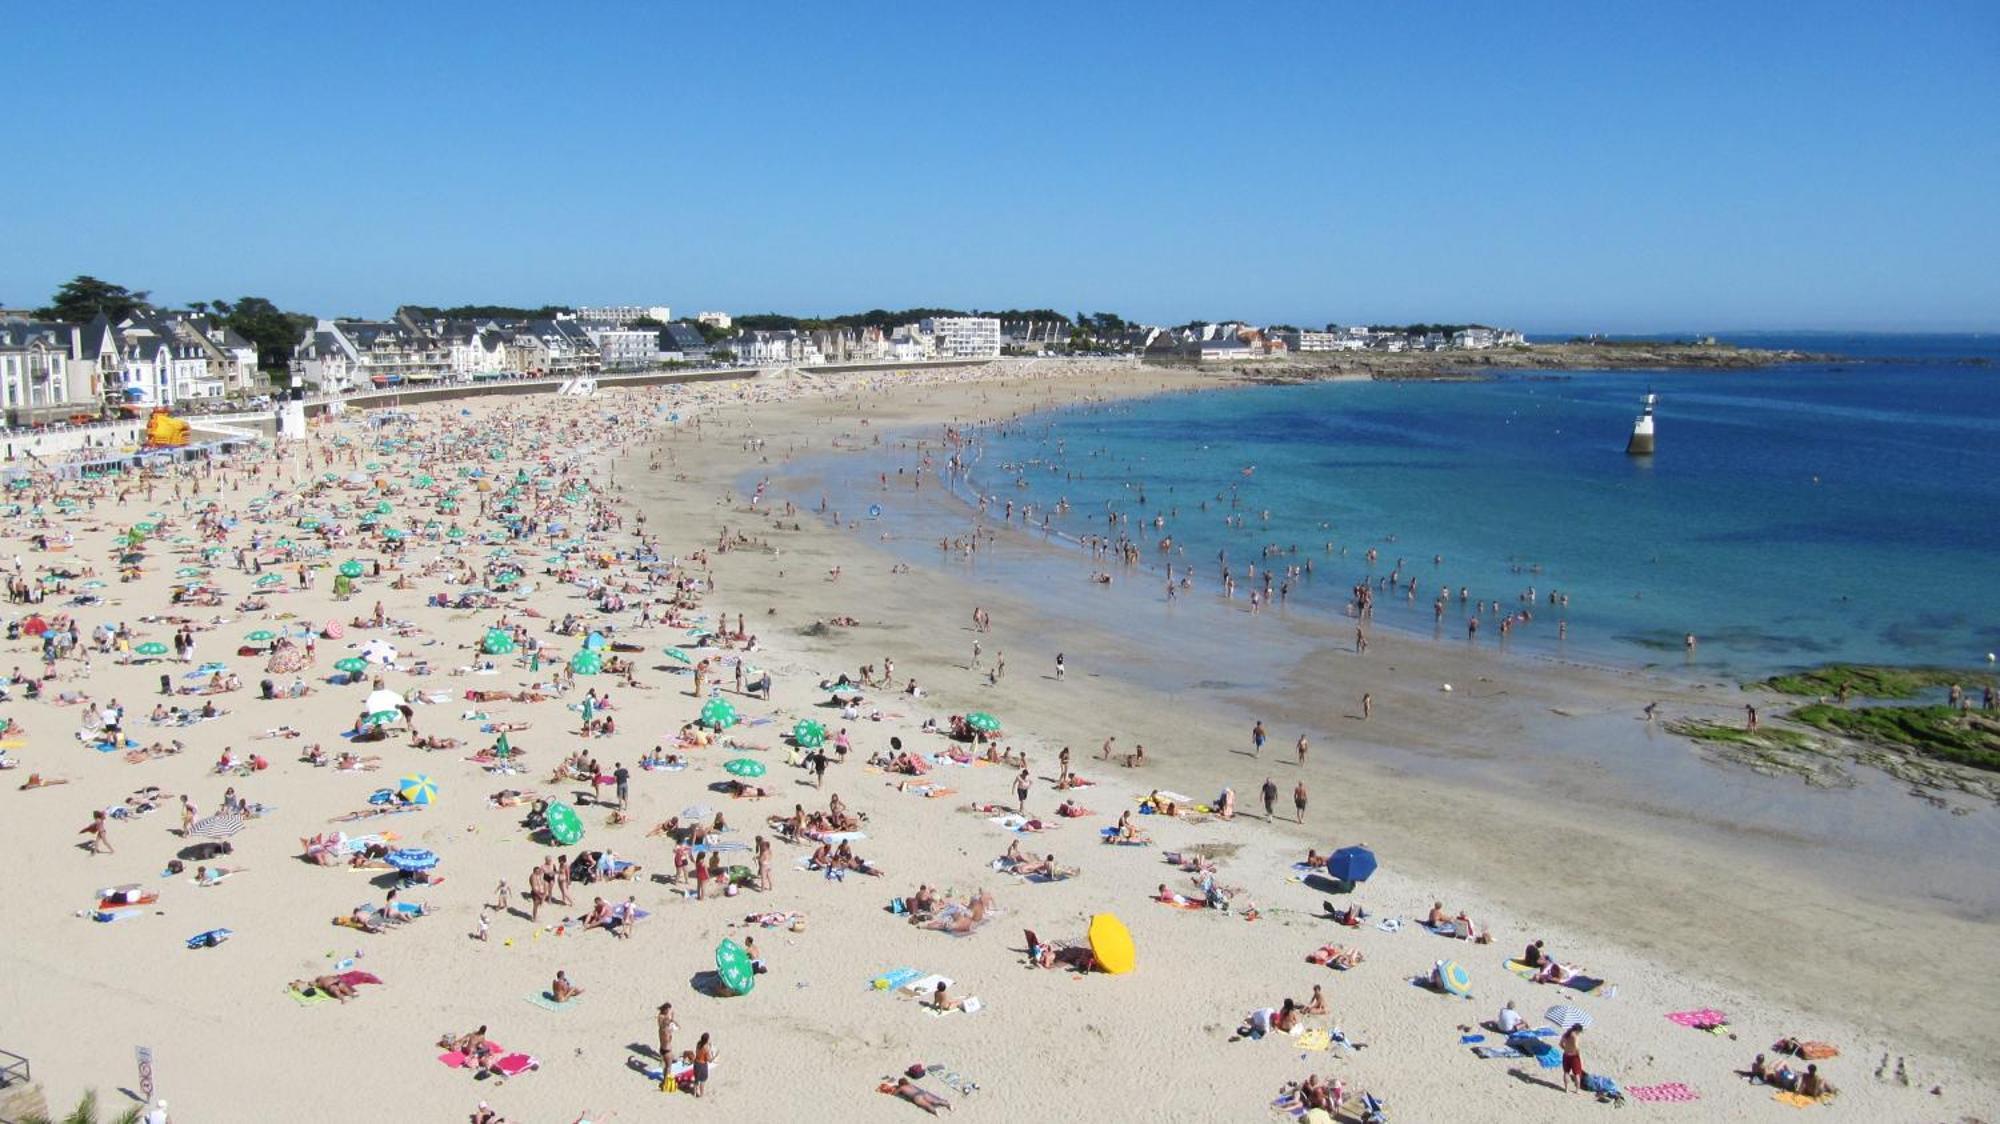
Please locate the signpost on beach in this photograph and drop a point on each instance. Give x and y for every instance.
(145, 1071)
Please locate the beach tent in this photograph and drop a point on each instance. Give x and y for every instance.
(1111, 944)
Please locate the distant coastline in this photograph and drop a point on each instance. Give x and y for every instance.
(1606, 355)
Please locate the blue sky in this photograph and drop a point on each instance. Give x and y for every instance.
(1553, 166)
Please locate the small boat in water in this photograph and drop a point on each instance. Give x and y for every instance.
(1641, 444)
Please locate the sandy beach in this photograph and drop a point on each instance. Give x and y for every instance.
(1769, 933)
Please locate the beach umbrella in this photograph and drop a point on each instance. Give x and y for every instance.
(268, 580)
(219, 826)
(1566, 1016)
(719, 713)
(983, 722)
(151, 648)
(744, 767)
(1351, 864)
(1454, 977)
(382, 717)
(407, 859)
(595, 641)
(350, 569)
(732, 963)
(352, 665)
(188, 572)
(1111, 944)
(34, 626)
(565, 826)
(586, 662)
(261, 636)
(808, 734)
(417, 788)
(497, 642)
(845, 693)
(677, 654)
(384, 700)
(379, 651)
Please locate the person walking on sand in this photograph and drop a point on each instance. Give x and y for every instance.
(1104, 754)
(1299, 800)
(1302, 750)
(1750, 716)
(1022, 782)
(1270, 798)
(1061, 666)
(1367, 705)
(1257, 739)
(98, 841)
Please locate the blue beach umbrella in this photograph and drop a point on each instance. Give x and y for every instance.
(411, 858)
(1351, 864)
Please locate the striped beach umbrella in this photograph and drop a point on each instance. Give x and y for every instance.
(1566, 1016)
(219, 826)
(411, 858)
(417, 788)
(1455, 978)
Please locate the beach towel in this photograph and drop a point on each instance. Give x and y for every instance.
(1390, 924)
(925, 985)
(893, 979)
(209, 939)
(1707, 1018)
(514, 1065)
(1796, 1100)
(307, 1000)
(541, 999)
(355, 978)
(109, 915)
(119, 900)
(1672, 1092)
(1180, 902)
(1544, 1052)
(1315, 1039)
(1490, 1052)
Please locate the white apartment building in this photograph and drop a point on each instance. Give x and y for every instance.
(34, 370)
(1327, 341)
(621, 348)
(963, 337)
(720, 320)
(622, 314)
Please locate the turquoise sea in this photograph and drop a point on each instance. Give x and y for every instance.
(1792, 515)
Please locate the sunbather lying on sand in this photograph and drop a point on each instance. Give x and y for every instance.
(915, 1094)
(1189, 861)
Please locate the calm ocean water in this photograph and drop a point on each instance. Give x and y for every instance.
(1791, 516)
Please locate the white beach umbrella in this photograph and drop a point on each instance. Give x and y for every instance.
(382, 700)
(1566, 1016)
(379, 651)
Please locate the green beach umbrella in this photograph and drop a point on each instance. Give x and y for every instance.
(732, 963)
(151, 648)
(145, 528)
(719, 713)
(677, 654)
(808, 734)
(268, 580)
(382, 717)
(497, 642)
(455, 533)
(261, 636)
(744, 767)
(383, 508)
(352, 665)
(188, 572)
(565, 826)
(983, 722)
(586, 662)
(350, 569)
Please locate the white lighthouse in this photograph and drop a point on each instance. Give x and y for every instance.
(1641, 444)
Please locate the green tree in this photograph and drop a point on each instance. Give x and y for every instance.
(644, 322)
(85, 1112)
(82, 297)
(274, 331)
(723, 355)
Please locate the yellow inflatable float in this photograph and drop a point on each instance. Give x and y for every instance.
(165, 430)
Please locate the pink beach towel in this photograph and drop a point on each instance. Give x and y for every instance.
(1671, 1093)
(513, 1065)
(1706, 1017)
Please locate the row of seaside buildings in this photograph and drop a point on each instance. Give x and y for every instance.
(52, 371)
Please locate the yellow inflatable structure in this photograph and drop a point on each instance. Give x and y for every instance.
(165, 430)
